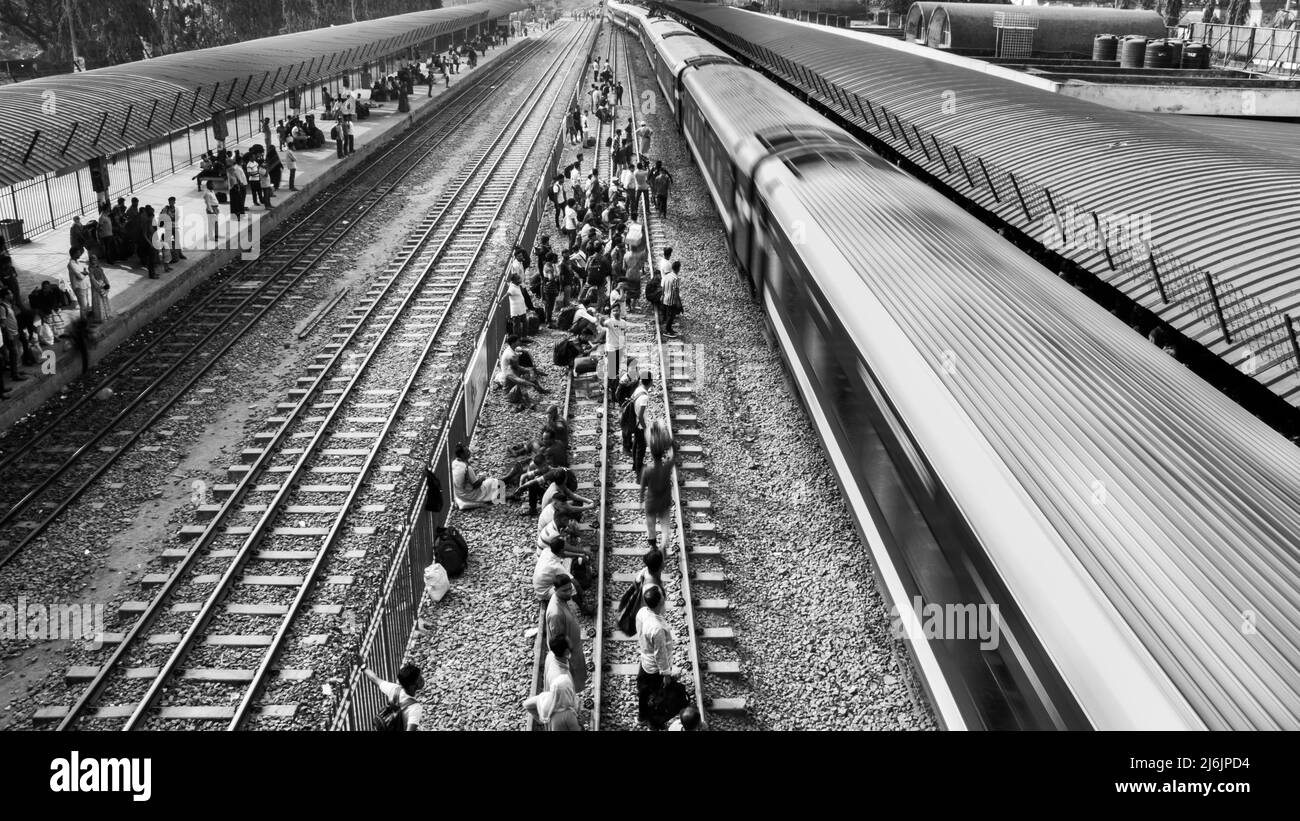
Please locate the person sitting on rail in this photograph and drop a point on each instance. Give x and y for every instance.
(471, 490)
(555, 450)
(557, 658)
(585, 322)
(556, 707)
(559, 483)
(537, 467)
(562, 621)
(556, 425)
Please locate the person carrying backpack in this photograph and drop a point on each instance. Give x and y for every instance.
(404, 710)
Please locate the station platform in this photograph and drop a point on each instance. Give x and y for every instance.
(136, 299)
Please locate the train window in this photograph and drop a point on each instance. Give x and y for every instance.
(896, 427)
(775, 278)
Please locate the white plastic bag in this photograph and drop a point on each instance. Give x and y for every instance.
(436, 581)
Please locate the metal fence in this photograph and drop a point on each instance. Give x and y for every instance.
(51, 200)
(1276, 51)
(384, 642)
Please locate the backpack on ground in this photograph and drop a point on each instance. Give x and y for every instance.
(392, 719)
(591, 142)
(534, 322)
(433, 498)
(584, 365)
(667, 702)
(451, 551)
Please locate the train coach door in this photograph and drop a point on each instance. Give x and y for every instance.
(744, 234)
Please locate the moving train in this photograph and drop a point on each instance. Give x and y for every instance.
(1008, 449)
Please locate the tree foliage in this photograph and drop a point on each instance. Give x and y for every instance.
(108, 32)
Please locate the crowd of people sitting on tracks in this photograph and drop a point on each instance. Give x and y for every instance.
(586, 285)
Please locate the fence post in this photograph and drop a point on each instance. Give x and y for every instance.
(1218, 309)
(1160, 285)
(1295, 345)
(49, 200)
(1023, 205)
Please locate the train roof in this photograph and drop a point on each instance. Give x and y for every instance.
(741, 103)
(666, 27)
(678, 50)
(1213, 205)
(1178, 506)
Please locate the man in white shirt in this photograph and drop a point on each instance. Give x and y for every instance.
(402, 692)
(654, 641)
(571, 222)
(615, 336)
(549, 566)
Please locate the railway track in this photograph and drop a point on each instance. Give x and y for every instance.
(44, 475)
(694, 580)
(589, 452)
(207, 644)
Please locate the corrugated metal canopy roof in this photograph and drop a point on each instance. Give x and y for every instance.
(59, 122)
(1201, 204)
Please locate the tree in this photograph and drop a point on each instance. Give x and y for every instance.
(109, 32)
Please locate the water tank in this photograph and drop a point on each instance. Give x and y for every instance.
(1132, 50)
(1105, 47)
(1176, 57)
(1196, 55)
(1159, 55)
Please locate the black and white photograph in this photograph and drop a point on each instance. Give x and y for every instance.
(880, 380)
